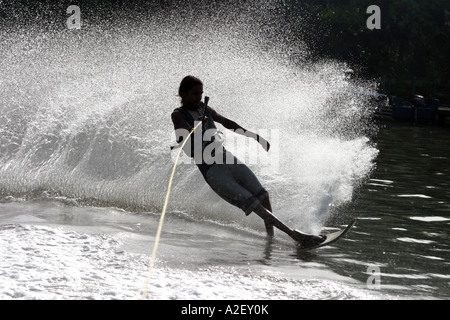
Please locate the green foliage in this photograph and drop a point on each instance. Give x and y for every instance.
(413, 42)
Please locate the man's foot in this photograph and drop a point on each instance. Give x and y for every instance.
(307, 240)
(269, 237)
(269, 229)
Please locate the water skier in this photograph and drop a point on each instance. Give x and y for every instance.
(231, 179)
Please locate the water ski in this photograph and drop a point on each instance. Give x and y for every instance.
(329, 238)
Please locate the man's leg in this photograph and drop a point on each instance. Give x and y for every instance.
(269, 227)
(272, 221)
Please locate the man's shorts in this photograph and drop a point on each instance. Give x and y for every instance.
(236, 184)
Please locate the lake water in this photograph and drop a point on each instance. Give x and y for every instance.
(404, 211)
(55, 248)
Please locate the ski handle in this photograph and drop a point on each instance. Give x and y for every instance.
(206, 105)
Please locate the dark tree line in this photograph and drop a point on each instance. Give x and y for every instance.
(411, 50)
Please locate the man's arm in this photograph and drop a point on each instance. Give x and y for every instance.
(231, 125)
(179, 123)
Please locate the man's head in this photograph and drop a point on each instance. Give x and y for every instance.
(190, 91)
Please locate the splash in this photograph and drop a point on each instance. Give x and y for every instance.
(86, 114)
